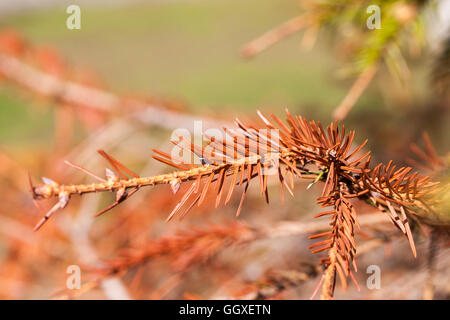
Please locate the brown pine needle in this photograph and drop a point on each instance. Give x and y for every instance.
(84, 170)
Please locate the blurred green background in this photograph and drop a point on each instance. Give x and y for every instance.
(189, 50)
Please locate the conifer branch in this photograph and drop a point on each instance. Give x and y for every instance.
(301, 146)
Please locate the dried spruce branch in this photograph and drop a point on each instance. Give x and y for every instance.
(185, 247)
(15, 66)
(304, 150)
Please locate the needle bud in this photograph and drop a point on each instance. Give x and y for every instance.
(175, 185)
